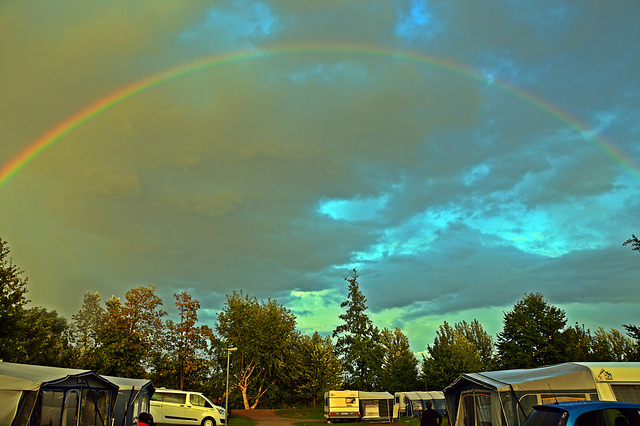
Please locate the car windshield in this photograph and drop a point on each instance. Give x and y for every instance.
(545, 418)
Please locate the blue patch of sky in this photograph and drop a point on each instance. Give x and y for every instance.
(358, 209)
(507, 223)
(413, 237)
(233, 27)
(418, 23)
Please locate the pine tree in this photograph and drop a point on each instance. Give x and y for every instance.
(358, 341)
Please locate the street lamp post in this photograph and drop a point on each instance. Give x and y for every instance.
(226, 404)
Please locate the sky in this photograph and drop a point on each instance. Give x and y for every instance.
(458, 154)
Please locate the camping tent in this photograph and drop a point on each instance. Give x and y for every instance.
(134, 397)
(376, 406)
(411, 404)
(506, 397)
(34, 395)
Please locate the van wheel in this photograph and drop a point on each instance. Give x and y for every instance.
(208, 422)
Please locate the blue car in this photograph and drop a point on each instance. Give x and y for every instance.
(585, 413)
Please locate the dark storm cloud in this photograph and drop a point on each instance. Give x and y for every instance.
(453, 192)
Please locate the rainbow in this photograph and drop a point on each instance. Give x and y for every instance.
(57, 133)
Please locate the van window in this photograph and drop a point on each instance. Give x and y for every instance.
(199, 401)
(174, 398)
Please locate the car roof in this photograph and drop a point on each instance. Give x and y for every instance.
(579, 407)
(174, 391)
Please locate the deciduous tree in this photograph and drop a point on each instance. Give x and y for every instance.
(633, 330)
(85, 328)
(12, 298)
(188, 343)
(399, 365)
(532, 334)
(611, 346)
(120, 349)
(142, 309)
(451, 354)
(315, 367)
(43, 337)
(634, 242)
(264, 334)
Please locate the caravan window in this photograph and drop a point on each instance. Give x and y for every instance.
(627, 393)
(51, 411)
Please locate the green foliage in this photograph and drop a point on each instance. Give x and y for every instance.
(120, 349)
(358, 341)
(532, 334)
(316, 369)
(612, 346)
(265, 336)
(634, 242)
(85, 329)
(453, 352)
(12, 298)
(579, 344)
(120, 339)
(188, 344)
(142, 309)
(399, 365)
(634, 332)
(42, 338)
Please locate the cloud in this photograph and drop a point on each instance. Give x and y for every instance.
(500, 162)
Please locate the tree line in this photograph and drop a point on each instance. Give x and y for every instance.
(274, 364)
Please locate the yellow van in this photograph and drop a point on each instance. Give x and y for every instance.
(176, 407)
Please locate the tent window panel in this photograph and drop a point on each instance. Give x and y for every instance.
(476, 410)
(103, 407)
(627, 393)
(88, 412)
(71, 406)
(51, 410)
(371, 409)
(483, 409)
(467, 414)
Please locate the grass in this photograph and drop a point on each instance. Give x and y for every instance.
(241, 421)
(312, 416)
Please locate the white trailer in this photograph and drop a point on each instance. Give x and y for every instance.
(343, 404)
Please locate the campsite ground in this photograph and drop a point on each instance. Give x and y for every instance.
(297, 417)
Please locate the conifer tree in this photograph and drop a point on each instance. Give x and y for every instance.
(358, 341)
